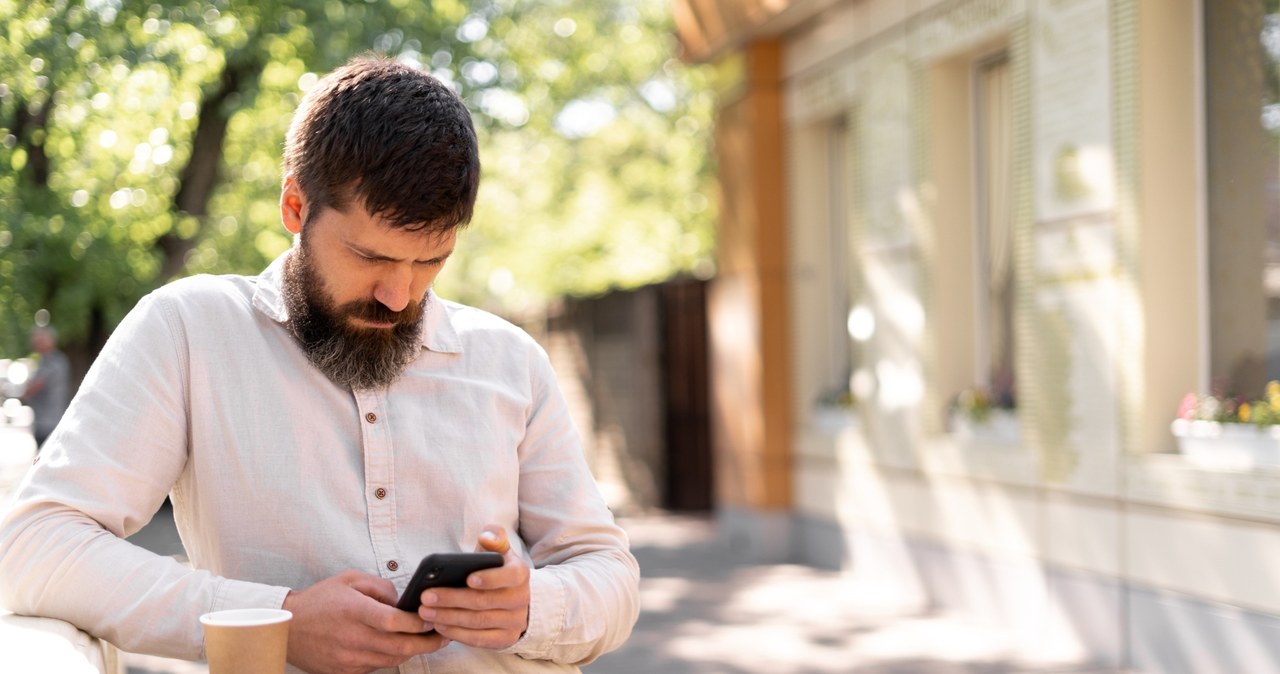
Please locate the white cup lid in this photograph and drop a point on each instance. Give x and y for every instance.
(245, 617)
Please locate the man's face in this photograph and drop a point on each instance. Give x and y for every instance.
(42, 341)
(355, 290)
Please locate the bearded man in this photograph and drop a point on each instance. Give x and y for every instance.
(322, 426)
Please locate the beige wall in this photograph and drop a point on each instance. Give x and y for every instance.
(1164, 234)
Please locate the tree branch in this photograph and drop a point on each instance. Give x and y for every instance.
(26, 127)
(200, 176)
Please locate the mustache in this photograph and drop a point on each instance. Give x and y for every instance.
(377, 312)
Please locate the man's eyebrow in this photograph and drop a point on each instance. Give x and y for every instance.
(364, 252)
(439, 258)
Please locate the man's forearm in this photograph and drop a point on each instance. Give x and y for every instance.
(34, 387)
(57, 562)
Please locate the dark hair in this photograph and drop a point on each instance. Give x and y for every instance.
(390, 137)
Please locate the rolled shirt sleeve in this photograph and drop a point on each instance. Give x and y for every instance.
(585, 583)
(122, 445)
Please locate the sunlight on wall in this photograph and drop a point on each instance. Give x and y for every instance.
(881, 569)
(1094, 167)
(861, 323)
(898, 318)
(901, 384)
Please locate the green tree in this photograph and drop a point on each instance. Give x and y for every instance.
(141, 143)
(597, 169)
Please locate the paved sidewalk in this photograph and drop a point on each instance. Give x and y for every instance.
(705, 612)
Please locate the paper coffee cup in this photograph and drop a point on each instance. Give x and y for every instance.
(246, 641)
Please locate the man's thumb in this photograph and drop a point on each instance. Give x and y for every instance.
(494, 539)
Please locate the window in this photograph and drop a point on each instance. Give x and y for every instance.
(821, 288)
(1242, 149)
(838, 249)
(1271, 122)
(994, 357)
(971, 256)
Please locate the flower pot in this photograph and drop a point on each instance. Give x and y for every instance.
(1227, 445)
(832, 419)
(999, 429)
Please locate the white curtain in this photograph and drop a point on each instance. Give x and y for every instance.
(996, 131)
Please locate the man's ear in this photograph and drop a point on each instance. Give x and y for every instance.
(293, 205)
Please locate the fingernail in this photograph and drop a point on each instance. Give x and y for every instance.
(430, 598)
(427, 613)
(427, 627)
(499, 545)
(474, 581)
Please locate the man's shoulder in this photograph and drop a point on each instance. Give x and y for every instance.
(205, 296)
(206, 287)
(471, 322)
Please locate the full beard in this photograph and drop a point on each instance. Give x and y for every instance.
(359, 357)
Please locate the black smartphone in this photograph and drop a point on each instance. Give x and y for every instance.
(444, 569)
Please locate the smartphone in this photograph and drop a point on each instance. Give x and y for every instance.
(444, 569)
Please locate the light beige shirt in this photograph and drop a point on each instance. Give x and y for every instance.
(280, 478)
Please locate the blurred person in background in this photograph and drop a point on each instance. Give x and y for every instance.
(49, 389)
(323, 425)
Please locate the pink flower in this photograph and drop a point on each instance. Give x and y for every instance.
(1187, 410)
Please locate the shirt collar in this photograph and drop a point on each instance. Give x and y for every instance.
(437, 329)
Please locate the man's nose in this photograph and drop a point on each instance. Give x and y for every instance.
(394, 289)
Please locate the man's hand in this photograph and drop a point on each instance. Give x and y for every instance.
(493, 610)
(34, 386)
(348, 623)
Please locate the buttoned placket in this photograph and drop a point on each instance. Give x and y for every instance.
(380, 498)
(379, 483)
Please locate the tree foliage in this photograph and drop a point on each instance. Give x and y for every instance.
(141, 142)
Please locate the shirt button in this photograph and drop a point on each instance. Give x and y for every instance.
(393, 565)
(371, 417)
(380, 493)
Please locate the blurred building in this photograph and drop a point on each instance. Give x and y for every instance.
(973, 254)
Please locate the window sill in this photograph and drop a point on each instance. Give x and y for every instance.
(1223, 469)
(1172, 480)
(988, 450)
(831, 434)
